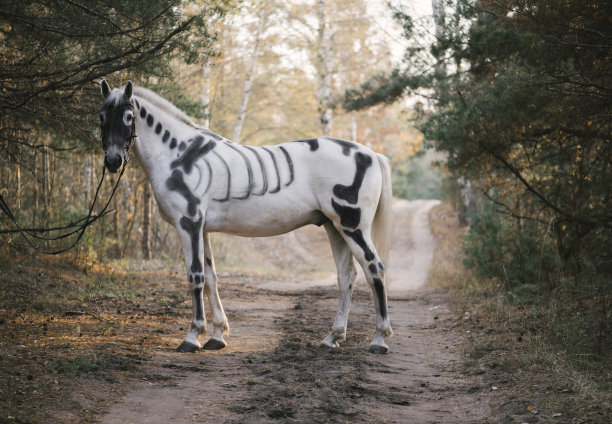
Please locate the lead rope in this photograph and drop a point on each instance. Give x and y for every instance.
(89, 220)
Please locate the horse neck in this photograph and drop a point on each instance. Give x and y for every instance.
(151, 150)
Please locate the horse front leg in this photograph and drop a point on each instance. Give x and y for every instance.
(192, 243)
(221, 326)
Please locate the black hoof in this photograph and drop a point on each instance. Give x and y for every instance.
(186, 347)
(379, 350)
(214, 344)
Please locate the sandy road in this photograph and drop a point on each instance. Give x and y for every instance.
(274, 371)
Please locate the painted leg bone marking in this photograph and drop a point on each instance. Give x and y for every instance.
(194, 229)
(351, 193)
(194, 152)
(382, 299)
(349, 216)
(177, 183)
(199, 304)
(357, 236)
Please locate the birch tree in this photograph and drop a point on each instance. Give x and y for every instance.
(325, 67)
(246, 91)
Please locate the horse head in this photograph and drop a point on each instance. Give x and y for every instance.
(118, 124)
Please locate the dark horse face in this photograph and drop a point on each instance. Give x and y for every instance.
(117, 120)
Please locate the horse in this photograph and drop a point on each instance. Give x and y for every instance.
(205, 183)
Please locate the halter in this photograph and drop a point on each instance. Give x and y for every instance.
(130, 139)
(132, 135)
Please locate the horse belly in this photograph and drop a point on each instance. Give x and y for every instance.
(252, 219)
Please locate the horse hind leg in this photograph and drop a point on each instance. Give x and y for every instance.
(360, 243)
(346, 276)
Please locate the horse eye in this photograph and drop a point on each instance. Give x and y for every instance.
(128, 116)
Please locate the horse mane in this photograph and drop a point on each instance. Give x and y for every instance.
(163, 104)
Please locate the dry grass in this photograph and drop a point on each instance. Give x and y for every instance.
(530, 350)
(447, 269)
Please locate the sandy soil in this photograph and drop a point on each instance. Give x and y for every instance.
(273, 369)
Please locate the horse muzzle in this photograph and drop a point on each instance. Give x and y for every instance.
(113, 161)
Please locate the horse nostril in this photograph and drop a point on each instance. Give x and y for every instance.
(113, 163)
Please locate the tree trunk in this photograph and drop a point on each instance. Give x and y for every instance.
(206, 93)
(46, 191)
(325, 68)
(249, 76)
(18, 182)
(439, 16)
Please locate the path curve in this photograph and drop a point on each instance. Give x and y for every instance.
(412, 246)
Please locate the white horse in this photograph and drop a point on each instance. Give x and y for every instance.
(204, 183)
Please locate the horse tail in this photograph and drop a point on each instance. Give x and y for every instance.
(381, 227)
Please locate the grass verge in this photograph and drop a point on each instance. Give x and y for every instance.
(531, 350)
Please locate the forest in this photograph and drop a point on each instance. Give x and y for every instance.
(500, 109)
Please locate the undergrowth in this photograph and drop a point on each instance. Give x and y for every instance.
(550, 340)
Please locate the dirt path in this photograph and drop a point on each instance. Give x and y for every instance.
(274, 370)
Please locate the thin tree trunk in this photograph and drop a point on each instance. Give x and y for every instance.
(249, 76)
(206, 93)
(325, 59)
(439, 16)
(36, 195)
(131, 221)
(353, 126)
(18, 183)
(45, 180)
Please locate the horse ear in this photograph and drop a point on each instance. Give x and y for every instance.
(105, 87)
(127, 93)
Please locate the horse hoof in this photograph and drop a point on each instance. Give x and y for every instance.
(214, 344)
(326, 344)
(379, 350)
(186, 347)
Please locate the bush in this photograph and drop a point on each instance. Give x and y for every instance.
(520, 253)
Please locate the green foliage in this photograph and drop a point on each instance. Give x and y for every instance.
(417, 178)
(54, 51)
(511, 250)
(523, 108)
